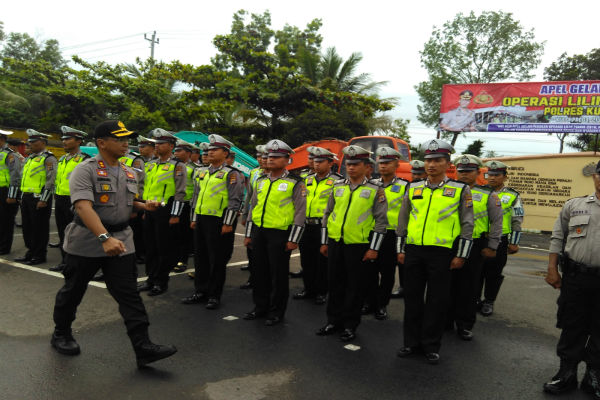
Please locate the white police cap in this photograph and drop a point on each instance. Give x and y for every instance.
(436, 148)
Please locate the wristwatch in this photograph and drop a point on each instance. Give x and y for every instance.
(103, 237)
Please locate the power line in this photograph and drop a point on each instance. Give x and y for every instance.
(104, 48)
(98, 42)
(111, 54)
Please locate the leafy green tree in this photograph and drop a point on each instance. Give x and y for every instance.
(484, 48)
(22, 47)
(2, 34)
(574, 68)
(475, 148)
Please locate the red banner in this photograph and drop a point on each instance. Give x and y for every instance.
(566, 106)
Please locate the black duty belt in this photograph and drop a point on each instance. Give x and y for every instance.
(313, 221)
(573, 266)
(109, 228)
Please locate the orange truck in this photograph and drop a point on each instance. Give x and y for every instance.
(370, 143)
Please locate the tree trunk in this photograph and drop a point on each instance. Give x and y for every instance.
(454, 137)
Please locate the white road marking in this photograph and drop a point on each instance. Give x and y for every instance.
(352, 347)
(20, 234)
(534, 248)
(230, 318)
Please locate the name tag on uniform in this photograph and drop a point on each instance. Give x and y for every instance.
(395, 189)
(449, 192)
(418, 193)
(365, 193)
(101, 172)
(339, 192)
(282, 187)
(477, 196)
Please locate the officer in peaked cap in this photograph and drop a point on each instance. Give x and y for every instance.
(250, 188)
(462, 118)
(319, 186)
(381, 278)
(353, 228)
(512, 209)
(146, 148)
(204, 153)
(71, 139)
(417, 170)
(185, 238)
(274, 228)
(103, 192)
(217, 199)
(37, 186)
(574, 248)
(165, 182)
(487, 231)
(10, 180)
(435, 235)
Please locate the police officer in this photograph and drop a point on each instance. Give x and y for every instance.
(319, 186)
(103, 192)
(255, 173)
(354, 224)
(417, 170)
(195, 157)
(435, 235)
(37, 186)
(277, 211)
(381, 278)
(146, 148)
(185, 237)
(487, 230)
(460, 119)
(303, 174)
(217, 199)
(512, 209)
(10, 180)
(165, 182)
(574, 246)
(204, 156)
(71, 139)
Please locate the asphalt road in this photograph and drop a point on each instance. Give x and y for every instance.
(512, 354)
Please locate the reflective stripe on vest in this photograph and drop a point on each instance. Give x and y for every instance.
(481, 219)
(213, 196)
(433, 218)
(317, 195)
(4, 172)
(160, 182)
(34, 175)
(275, 204)
(394, 194)
(352, 216)
(63, 173)
(507, 200)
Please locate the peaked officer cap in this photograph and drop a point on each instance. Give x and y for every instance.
(496, 167)
(2, 132)
(218, 142)
(278, 148)
(69, 132)
(355, 154)
(386, 153)
(321, 154)
(159, 135)
(418, 166)
(35, 135)
(467, 162)
(111, 128)
(436, 148)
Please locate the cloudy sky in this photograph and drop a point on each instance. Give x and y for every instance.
(389, 34)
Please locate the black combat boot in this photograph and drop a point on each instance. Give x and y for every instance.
(564, 381)
(147, 352)
(591, 382)
(64, 343)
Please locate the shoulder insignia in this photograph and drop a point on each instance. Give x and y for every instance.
(295, 177)
(512, 191)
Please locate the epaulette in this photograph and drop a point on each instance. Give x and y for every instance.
(85, 155)
(456, 183)
(377, 182)
(62, 157)
(133, 153)
(511, 191)
(342, 181)
(336, 176)
(484, 188)
(295, 177)
(8, 150)
(231, 167)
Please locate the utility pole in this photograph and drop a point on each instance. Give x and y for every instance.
(152, 41)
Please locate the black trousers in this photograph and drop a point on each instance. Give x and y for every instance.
(347, 282)
(314, 264)
(426, 295)
(464, 294)
(160, 255)
(381, 278)
(491, 276)
(36, 225)
(579, 318)
(120, 277)
(215, 252)
(63, 215)
(7, 221)
(251, 262)
(139, 238)
(185, 236)
(271, 269)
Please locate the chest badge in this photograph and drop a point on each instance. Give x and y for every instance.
(101, 164)
(365, 193)
(329, 182)
(106, 187)
(418, 193)
(282, 187)
(130, 175)
(309, 181)
(104, 198)
(449, 192)
(220, 175)
(166, 167)
(395, 189)
(101, 172)
(339, 192)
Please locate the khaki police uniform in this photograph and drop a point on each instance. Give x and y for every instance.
(218, 192)
(277, 216)
(62, 207)
(577, 234)
(314, 264)
(512, 218)
(10, 181)
(487, 231)
(37, 184)
(354, 222)
(435, 225)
